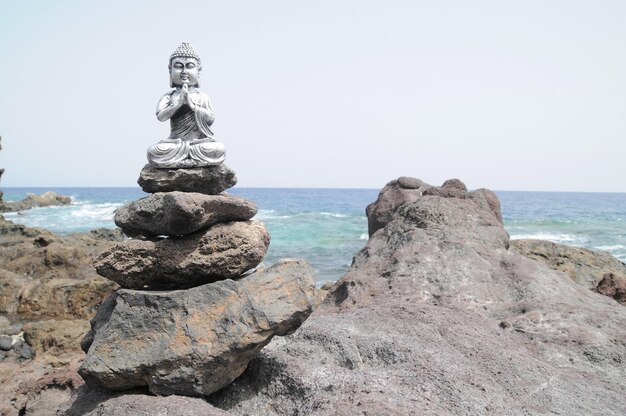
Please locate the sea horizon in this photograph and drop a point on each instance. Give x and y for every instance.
(53, 188)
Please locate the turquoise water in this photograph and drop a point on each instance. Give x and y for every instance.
(327, 227)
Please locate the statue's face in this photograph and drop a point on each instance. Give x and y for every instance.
(184, 71)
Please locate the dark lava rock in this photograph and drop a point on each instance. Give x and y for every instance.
(210, 180)
(613, 286)
(394, 194)
(6, 342)
(435, 317)
(100, 402)
(223, 251)
(178, 213)
(402, 190)
(27, 352)
(197, 341)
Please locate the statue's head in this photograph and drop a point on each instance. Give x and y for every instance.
(184, 66)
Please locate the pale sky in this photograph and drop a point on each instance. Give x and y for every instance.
(508, 95)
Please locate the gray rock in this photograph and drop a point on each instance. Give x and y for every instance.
(613, 286)
(194, 342)
(98, 402)
(452, 188)
(394, 194)
(178, 213)
(6, 342)
(210, 180)
(26, 351)
(585, 266)
(223, 251)
(436, 317)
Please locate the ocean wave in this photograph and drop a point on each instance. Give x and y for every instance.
(104, 211)
(557, 238)
(274, 215)
(364, 237)
(611, 248)
(332, 214)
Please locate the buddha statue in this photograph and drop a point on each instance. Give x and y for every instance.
(191, 142)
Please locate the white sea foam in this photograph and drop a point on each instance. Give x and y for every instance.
(364, 237)
(333, 214)
(95, 211)
(612, 248)
(557, 238)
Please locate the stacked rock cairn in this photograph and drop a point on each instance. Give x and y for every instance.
(192, 309)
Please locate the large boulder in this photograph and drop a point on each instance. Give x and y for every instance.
(223, 251)
(197, 341)
(585, 266)
(211, 180)
(178, 213)
(437, 316)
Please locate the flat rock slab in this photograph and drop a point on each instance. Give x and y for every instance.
(97, 402)
(223, 251)
(211, 180)
(197, 341)
(178, 213)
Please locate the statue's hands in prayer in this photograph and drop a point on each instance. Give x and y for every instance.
(186, 99)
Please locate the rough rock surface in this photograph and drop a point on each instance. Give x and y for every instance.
(45, 276)
(178, 213)
(56, 342)
(211, 180)
(394, 194)
(99, 402)
(404, 189)
(613, 286)
(36, 387)
(585, 266)
(194, 342)
(437, 316)
(31, 201)
(51, 278)
(223, 251)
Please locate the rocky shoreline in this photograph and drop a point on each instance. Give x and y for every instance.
(439, 314)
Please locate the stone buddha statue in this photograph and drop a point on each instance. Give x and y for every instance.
(191, 142)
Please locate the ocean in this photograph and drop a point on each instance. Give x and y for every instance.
(327, 227)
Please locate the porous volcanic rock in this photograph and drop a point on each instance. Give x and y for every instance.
(210, 180)
(223, 251)
(585, 266)
(99, 402)
(436, 316)
(196, 341)
(58, 339)
(178, 213)
(613, 286)
(36, 388)
(45, 276)
(394, 194)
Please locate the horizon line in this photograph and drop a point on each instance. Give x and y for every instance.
(305, 187)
